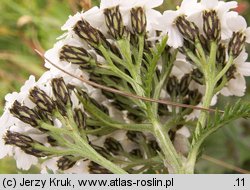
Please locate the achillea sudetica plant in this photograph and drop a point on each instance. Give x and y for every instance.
(187, 56)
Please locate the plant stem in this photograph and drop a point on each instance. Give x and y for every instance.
(76, 144)
(209, 73)
(210, 78)
(163, 80)
(225, 69)
(201, 124)
(87, 151)
(172, 160)
(171, 157)
(107, 121)
(147, 162)
(140, 55)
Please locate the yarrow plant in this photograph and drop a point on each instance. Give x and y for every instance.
(136, 61)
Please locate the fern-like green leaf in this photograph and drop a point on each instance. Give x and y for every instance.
(232, 112)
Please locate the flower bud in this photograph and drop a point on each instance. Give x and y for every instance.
(154, 146)
(23, 142)
(173, 86)
(134, 117)
(87, 98)
(42, 100)
(80, 118)
(187, 45)
(204, 42)
(114, 22)
(97, 78)
(113, 146)
(188, 29)
(184, 84)
(44, 115)
(230, 74)
(172, 133)
(52, 141)
(136, 114)
(198, 76)
(162, 109)
(136, 137)
(78, 56)
(211, 25)
(61, 93)
(66, 162)
(102, 151)
(95, 168)
(138, 20)
(25, 114)
(221, 54)
(136, 153)
(134, 40)
(195, 97)
(99, 106)
(237, 43)
(88, 33)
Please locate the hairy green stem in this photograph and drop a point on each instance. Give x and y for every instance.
(172, 160)
(140, 55)
(225, 69)
(105, 119)
(171, 157)
(76, 144)
(163, 80)
(87, 151)
(209, 74)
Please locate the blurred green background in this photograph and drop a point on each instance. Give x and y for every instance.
(26, 25)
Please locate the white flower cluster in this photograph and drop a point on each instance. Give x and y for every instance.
(77, 52)
(12, 124)
(230, 22)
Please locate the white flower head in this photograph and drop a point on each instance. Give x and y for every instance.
(222, 9)
(53, 55)
(112, 3)
(238, 23)
(237, 85)
(6, 120)
(167, 22)
(22, 96)
(125, 7)
(147, 4)
(81, 167)
(152, 15)
(10, 123)
(220, 6)
(24, 161)
(93, 15)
